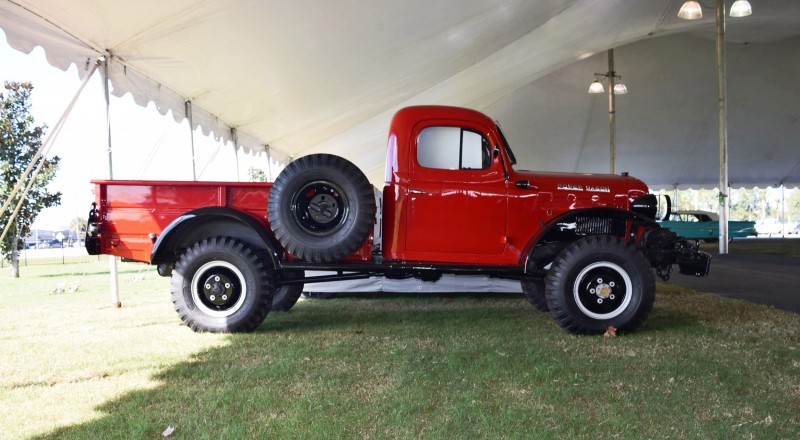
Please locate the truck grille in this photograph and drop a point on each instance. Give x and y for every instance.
(593, 225)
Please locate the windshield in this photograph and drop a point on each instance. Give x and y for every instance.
(508, 146)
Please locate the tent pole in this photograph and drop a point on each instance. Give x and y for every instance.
(191, 136)
(235, 138)
(269, 164)
(236, 152)
(783, 210)
(112, 260)
(106, 81)
(724, 201)
(675, 204)
(612, 126)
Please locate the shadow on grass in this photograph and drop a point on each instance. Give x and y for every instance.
(443, 367)
(323, 370)
(95, 272)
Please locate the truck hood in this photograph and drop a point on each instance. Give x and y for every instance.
(609, 184)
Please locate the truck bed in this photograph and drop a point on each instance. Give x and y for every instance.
(135, 209)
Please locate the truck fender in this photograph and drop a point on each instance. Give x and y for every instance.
(211, 221)
(566, 228)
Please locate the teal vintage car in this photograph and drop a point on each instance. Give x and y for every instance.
(703, 225)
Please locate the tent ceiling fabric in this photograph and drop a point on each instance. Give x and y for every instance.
(667, 123)
(304, 76)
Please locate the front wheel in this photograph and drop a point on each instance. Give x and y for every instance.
(221, 285)
(534, 293)
(599, 282)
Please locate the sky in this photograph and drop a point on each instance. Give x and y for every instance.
(145, 144)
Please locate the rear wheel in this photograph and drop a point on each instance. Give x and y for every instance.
(599, 282)
(221, 285)
(286, 296)
(321, 207)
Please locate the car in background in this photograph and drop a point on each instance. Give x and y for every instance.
(794, 229)
(703, 225)
(50, 244)
(769, 227)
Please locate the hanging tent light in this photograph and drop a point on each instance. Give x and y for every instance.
(741, 8)
(691, 11)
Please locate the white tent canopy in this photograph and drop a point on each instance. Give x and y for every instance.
(302, 76)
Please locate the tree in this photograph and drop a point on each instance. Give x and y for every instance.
(78, 226)
(20, 139)
(257, 175)
(793, 205)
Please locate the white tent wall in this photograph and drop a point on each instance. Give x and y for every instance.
(667, 124)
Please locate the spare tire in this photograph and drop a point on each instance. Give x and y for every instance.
(321, 208)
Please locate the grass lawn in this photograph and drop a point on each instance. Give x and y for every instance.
(386, 366)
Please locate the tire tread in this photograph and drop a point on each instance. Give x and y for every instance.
(559, 272)
(263, 298)
(362, 195)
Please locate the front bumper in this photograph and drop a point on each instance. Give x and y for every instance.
(663, 248)
(697, 263)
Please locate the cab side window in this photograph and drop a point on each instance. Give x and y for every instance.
(453, 148)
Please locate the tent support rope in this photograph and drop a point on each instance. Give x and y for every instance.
(40, 153)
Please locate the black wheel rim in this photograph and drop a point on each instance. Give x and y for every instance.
(218, 288)
(602, 290)
(320, 208)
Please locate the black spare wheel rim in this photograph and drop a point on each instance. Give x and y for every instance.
(320, 208)
(602, 290)
(218, 288)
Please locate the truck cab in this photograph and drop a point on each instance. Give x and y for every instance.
(455, 195)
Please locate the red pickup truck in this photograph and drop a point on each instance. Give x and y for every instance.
(585, 247)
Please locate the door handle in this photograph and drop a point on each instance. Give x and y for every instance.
(417, 191)
(525, 184)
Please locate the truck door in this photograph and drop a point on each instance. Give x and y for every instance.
(457, 196)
